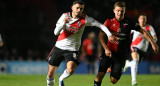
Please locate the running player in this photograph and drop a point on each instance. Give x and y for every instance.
(70, 27)
(115, 55)
(139, 46)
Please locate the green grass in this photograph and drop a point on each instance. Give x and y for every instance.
(76, 80)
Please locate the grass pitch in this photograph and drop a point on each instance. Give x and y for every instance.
(76, 80)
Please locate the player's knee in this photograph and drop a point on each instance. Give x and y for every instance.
(113, 80)
(50, 74)
(100, 76)
(70, 71)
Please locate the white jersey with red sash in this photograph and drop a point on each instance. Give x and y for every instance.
(139, 41)
(70, 33)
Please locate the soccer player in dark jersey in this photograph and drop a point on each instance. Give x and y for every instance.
(114, 55)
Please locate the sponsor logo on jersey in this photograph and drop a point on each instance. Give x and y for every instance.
(79, 23)
(74, 55)
(49, 58)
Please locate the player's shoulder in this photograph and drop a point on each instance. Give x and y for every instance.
(67, 13)
(130, 21)
(108, 20)
(126, 19)
(148, 25)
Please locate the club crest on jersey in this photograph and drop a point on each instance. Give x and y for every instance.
(124, 25)
(114, 25)
(79, 23)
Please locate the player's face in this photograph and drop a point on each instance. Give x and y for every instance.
(119, 12)
(142, 20)
(77, 10)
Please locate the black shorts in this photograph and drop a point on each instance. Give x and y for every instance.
(141, 53)
(116, 62)
(57, 55)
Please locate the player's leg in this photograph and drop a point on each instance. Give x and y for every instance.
(98, 79)
(71, 66)
(128, 62)
(54, 60)
(72, 62)
(51, 74)
(118, 62)
(134, 66)
(104, 65)
(88, 64)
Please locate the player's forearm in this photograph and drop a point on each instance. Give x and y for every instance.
(154, 38)
(148, 37)
(105, 29)
(59, 28)
(102, 41)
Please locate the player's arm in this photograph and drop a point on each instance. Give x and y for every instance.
(61, 24)
(102, 41)
(153, 34)
(149, 38)
(99, 50)
(92, 22)
(154, 38)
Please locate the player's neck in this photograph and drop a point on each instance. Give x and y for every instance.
(143, 25)
(119, 19)
(75, 16)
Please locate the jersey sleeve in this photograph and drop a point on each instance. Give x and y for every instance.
(60, 25)
(152, 32)
(106, 23)
(91, 22)
(132, 31)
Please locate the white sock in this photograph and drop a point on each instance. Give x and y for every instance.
(50, 81)
(64, 75)
(134, 66)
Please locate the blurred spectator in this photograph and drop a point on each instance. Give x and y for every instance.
(91, 50)
(1, 42)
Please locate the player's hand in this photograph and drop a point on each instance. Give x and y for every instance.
(113, 39)
(108, 53)
(67, 19)
(109, 70)
(155, 47)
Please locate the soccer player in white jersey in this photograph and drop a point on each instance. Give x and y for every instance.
(139, 46)
(1, 42)
(70, 27)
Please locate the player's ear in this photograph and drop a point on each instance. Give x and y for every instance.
(72, 7)
(113, 10)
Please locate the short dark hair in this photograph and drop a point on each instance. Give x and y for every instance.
(142, 14)
(78, 2)
(120, 4)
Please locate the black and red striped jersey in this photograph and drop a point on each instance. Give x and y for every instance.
(122, 30)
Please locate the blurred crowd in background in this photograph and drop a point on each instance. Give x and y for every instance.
(27, 26)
